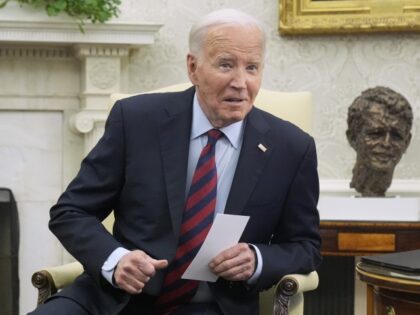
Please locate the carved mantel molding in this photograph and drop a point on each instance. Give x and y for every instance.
(68, 33)
(91, 123)
(25, 24)
(102, 49)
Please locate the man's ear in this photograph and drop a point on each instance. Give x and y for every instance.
(192, 67)
(407, 142)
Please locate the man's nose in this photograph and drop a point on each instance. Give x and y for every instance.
(239, 79)
(387, 139)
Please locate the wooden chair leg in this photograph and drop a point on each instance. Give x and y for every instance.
(369, 300)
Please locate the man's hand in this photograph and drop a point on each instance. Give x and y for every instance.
(135, 269)
(234, 264)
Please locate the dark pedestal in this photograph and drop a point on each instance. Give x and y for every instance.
(9, 247)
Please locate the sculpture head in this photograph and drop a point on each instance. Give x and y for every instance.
(379, 123)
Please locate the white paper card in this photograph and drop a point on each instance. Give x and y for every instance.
(224, 233)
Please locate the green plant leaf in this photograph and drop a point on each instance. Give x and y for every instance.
(52, 11)
(81, 10)
(3, 3)
(103, 16)
(91, 3)
(60, 5)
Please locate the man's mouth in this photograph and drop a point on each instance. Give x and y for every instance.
(383, 156)
(234, 100)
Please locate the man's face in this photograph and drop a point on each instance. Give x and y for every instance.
(383, 139)
(227, 73)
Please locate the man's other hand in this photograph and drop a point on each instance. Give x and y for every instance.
(236, 263)
(135, 269)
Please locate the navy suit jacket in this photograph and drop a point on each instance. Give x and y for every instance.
(138, 169)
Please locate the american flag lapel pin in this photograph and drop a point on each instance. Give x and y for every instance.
(262, 147)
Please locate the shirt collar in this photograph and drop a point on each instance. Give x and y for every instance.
(201, 124)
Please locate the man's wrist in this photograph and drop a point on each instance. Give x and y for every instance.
(258, 265)
(255, 258)
(111, 262)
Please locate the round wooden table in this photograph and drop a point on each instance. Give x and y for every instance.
(389, 294)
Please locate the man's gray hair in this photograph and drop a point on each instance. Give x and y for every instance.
(221, 17)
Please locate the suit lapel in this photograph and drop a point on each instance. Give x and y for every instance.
(251, 162)
(174, 141)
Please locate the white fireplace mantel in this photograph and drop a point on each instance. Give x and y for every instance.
(103, 50)
(68, 33)
(24, 24)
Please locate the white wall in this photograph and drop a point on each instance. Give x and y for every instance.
(30, 160)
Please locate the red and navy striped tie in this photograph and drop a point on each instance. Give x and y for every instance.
(196, 222)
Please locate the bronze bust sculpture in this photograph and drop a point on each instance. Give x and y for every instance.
(379, 123)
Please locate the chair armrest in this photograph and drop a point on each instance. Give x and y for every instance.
(48, 281)
(293, 285)
(296, 283)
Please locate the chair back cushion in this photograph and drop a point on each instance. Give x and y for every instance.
(295, 107)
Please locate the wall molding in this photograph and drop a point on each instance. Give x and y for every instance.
(38, 103)
(67, 32)
(24, 51)
(26, 24)
(85, 121)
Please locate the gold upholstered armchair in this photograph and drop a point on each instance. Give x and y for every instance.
(287, 296)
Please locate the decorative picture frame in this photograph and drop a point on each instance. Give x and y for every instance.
(348, 16)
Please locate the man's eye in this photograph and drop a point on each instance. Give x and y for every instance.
(396, 135)
(252, 67)
(376, 133)
(225, 65)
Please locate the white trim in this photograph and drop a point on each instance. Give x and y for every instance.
(68, 33)
(85, 120)
(340, 187)
(25, 24)
(342, 208)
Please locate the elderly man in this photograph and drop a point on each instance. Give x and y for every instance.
(166, 164)
(379, 124)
